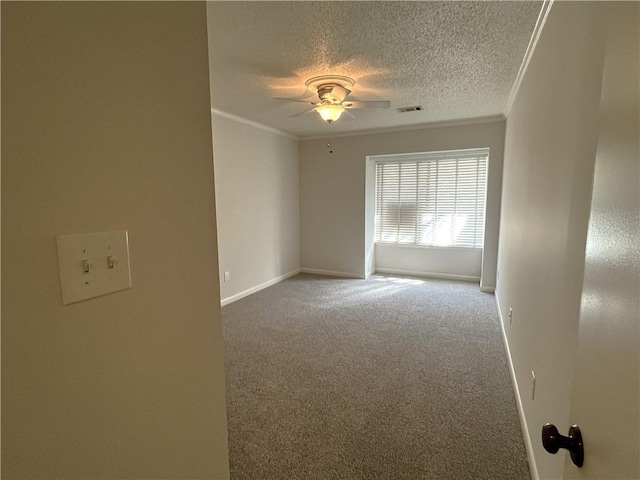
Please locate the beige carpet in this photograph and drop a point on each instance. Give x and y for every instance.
(386, 378)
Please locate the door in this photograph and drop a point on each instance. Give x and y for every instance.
(606, 396)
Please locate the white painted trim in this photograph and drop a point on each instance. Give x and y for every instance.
(408, 128)
(427, 247)
(251, 123)
(415, 273)
(487, 289)
(331, 273)
(433, 155)
(533, 41)
(374, 131)
(523, 420)
(257, 288)
(371, 272)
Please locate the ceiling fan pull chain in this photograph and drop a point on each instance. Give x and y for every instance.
(330, 137)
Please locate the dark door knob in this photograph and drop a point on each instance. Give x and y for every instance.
(552, 441)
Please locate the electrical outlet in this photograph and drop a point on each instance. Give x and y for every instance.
(533, 385)
(510, 315)
(226, 276)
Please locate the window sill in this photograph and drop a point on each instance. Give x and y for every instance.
(426, 247)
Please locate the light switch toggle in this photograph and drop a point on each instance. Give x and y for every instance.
(112, 262)
(86, 266)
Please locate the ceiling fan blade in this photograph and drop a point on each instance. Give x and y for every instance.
(302, 113)
(295, 100)
(367, 104)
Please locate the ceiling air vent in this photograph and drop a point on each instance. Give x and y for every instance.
(415, 108)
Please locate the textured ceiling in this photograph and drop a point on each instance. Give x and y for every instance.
(458, 60)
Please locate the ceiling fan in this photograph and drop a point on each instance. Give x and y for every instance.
(332, 91)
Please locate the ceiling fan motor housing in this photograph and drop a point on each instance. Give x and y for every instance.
(332, 89)
(326, 93)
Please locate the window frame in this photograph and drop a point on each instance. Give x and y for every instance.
(415, 158)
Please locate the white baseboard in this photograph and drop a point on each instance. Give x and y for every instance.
(415, 273)
(488, 289)
(523, 420)
(331, 273)
(257, 288)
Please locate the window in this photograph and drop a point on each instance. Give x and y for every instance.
(432, 199)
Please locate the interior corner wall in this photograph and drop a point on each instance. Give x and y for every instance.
(335, 200)
(550, 147)
(258, 207)
(106, 126)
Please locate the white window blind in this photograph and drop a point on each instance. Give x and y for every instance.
(435, 198)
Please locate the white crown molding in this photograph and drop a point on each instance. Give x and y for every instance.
(251, 123)
(533, 41)
(374, 131)
(420, 126)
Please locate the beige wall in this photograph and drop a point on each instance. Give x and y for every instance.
(334, 199)
(550, 147)
(258, 205)
(106, 125)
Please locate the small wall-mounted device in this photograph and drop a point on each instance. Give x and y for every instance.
(93, 264)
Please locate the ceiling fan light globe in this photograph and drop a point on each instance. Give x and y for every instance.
(330, 113)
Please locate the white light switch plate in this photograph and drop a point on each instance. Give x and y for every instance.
(106, 257)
